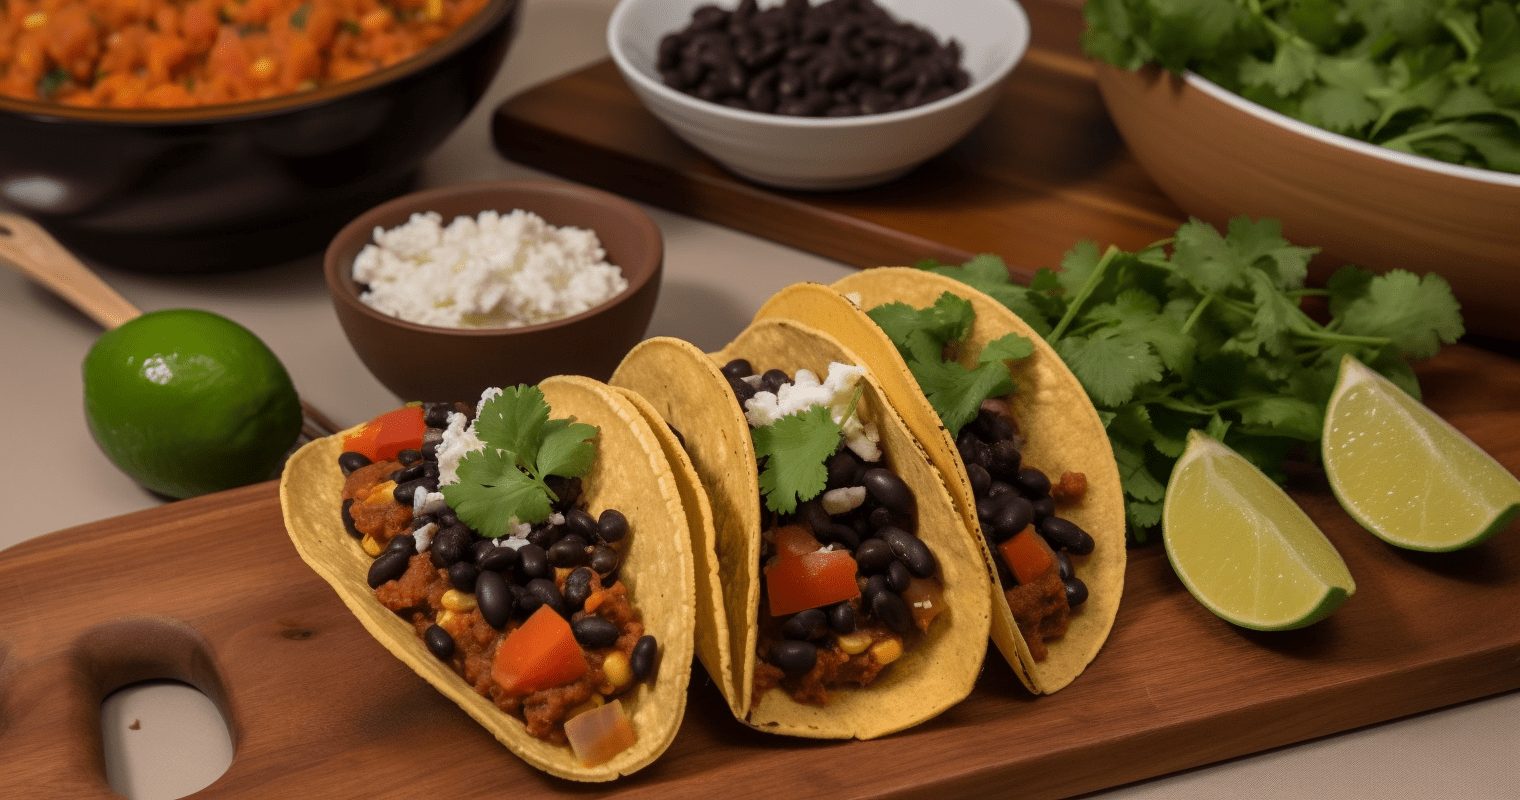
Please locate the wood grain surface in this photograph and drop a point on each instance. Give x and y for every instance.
(210, 591)
(1045, 170)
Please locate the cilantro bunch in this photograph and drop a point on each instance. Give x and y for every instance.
(504, 483)
(1438, 78)
(923, 337)
(1213, 335)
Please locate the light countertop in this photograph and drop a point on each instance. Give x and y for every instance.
(714, 280)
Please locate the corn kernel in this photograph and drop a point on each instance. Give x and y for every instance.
(455, 600)
(433, 10)
(887, 650)
(262, 68)
(444, 619)
(34, 20)
(371, 546)
(616, 669)
(854, 643)
(380, 494)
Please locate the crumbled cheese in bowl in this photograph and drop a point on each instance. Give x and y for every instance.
(491, 271)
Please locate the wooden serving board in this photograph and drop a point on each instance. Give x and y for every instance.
(210, 591)
(1045, 170)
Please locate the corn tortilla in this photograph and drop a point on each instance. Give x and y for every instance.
(689, 391)
(631, 474)
(1060, 428)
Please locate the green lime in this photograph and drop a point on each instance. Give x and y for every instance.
(188, 402)
(1406, 474)
(1242, 547)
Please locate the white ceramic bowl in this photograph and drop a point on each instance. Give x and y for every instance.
(826, 153)
(1218, 155)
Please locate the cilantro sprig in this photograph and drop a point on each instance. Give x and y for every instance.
(1439, 78)
(504, 484)
(1208, 331)
(793, 452)
(925, 338)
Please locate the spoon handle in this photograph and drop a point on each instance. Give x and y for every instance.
(38, 254)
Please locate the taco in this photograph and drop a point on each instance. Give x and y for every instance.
(808, 632)
(1048, 639)
(531, 560)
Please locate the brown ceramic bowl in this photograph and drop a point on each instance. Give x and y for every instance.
(422, 362)
(245, 184)
(1218, 155)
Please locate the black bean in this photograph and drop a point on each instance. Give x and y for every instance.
(981, 481)
(1033, 482)
(604, 560)
(1076, 591)
(523, 601)
(548, 594)
(462, 575)
(578, 587)
(842, 618)
(1063, 565)
(987, 509)
(389, 566)
(875, 584)
(1004, 460)
(841, 534)
(897, 577)
(348, 519)
(971, 449)
(350, 461)
(405, 542)
(439, 642)
(773, 379)
(738, 368)
(806, 625)
(842, 468)
(436, 415)
(911, 551)
(812, 515)
(450, 545)
(496, 559)
(612, 525)
(430, 450)
(567, 490)
(545, 535)
(580, 523)
(999, 488)
(889, 490)
(494, 599)
(893, 611)
(420, 521)
(1043, 507)
(1013, 515)
(644, 656)
(1063, 534)
(794, 657)
(742, 390)
(568, 552)
(405, 493)
(409, 456)
(873, 555)
(594, 632)
(532, 562)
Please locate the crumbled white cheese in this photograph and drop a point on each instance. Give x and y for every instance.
(427, 503)
(843, 500)
(492, 271)
(424, 536)
(833, 393)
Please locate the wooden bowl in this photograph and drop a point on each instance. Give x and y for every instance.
(423, 362)
(1218, 155)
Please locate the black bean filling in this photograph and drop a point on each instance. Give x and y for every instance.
(1011, 496)
(880, 534)
(839, 58)
(508, 584)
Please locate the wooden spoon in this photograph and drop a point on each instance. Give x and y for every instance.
(26, 246)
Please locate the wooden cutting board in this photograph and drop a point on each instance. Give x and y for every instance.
(210, 591)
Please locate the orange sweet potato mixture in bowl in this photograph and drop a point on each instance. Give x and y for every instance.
(180, 53)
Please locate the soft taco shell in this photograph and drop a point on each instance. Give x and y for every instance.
(1060, 427)
(631, 474)
(688, 389)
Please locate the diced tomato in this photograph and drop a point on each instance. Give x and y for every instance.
(925, 600)
(796, 582)
(383, 437)
(599, 734)
(540, 654)
(1027, 555)
(795, 540)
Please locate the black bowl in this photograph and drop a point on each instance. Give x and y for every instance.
(250, 184)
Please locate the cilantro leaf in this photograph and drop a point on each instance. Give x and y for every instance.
(956, 392)
(503, 484)
(794, 450)
(921, 334)
(1417, 314)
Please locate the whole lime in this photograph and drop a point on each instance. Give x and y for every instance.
(188, 402)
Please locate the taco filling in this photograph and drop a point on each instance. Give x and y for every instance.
(482, 541)
(1019, 508)
(847, 586)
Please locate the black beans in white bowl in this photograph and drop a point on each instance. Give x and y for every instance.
(887, 99)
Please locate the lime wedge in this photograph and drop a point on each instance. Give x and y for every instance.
(1244, 549)
(1406, 474)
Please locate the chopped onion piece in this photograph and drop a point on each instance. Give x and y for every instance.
(599, 734)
